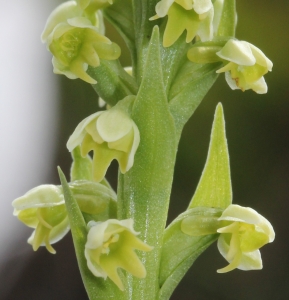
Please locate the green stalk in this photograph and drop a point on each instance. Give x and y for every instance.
(144, 191)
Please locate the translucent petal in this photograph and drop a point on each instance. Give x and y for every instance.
(261, 58)
(251, 261)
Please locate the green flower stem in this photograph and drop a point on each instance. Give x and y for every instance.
(144, 191)
(114, 83)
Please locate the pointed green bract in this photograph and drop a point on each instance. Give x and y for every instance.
(214, 188)
(96, 288)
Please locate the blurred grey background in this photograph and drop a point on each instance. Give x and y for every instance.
(39, 110)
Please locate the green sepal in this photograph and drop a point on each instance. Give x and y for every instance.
(190, 86)
(228, 22)
(144, 191)
(180, 250)
(214, 188)
(114, 83)
(96, 288)
(120, 14)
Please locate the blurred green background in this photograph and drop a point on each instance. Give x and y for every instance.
(258, 138)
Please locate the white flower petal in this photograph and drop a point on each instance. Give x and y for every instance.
(63, 12)
(238, 52)
(259, 86)
(113, 124)
(202, 6)
(45, 195)
(205, 30)
(231, 82)
(136, 141)
(79, 132)
(251, 261)
(240, 214)
(163, 7)
(261, 58)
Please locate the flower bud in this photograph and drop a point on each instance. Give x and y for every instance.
(43, 208)
(110, 245)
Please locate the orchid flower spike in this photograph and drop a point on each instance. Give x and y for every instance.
(110, 245)
(43, 208)
(77, 40)
(111, 134)
(245, 231)
(194, 16)
(245, 66)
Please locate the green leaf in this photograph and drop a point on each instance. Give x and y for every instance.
(214, 188)
(227, 26)
(114, 83)
(96, 288)
(120, 14)
(188, 90)
(181, 250)
(144, 191)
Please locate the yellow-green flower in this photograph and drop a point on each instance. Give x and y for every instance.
(245, 66)
(111, 134)
(243, 234)
(110, 245)
(194, 16)
(76, 41)
(43, 208)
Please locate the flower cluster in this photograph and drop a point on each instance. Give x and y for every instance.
(242, 233)
(74, 34)
(110, 245)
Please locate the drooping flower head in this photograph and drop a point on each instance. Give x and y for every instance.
(194, 16)
(111, 134)
(77, 40)
(43, 208)
(110, 245)
(244, 233)
(245, 66)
